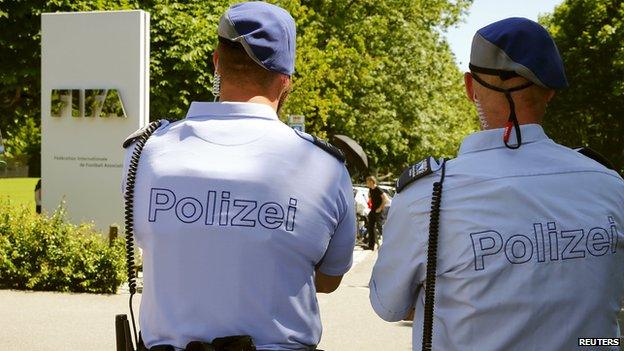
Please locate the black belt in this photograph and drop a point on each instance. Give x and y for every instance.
(228, 343)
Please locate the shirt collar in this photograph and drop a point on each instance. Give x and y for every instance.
(239, 109)
(493, 138)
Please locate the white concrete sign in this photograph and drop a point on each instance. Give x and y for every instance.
(94, 93)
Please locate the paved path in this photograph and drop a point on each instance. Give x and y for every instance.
(349, 322)
(46, 321)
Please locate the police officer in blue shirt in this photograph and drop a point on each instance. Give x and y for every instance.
(241, 219)
(529, 233)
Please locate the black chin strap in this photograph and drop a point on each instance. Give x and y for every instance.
(513, 120)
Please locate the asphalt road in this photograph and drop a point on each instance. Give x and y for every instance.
(46, 321)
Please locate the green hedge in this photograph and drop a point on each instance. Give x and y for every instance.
(48, 253)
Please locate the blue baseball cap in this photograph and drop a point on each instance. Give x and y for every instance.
(518, 47)
(266, 32)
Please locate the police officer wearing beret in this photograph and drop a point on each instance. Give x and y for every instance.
(530, 246)
(241, 219)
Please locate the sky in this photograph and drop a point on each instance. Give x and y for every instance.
(484, 12)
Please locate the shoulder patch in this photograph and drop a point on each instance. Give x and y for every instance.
(140, 132)
(329, 148)
(323, 144)
(413, 173)
(596, 156)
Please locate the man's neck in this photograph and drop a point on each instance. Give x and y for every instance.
(522, 116)
(238, 95)
(256, 100)
(525, 115)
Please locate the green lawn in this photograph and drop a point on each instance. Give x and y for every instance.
(18, 190)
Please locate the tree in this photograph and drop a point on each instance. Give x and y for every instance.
(590, 38)
(183, 38)
(378, 71)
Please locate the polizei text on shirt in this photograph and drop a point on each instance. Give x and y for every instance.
(546, 243)
(222, 208)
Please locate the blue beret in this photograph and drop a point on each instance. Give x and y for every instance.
(266, 32)
(520, 46)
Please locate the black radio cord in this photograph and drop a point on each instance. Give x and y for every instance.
(432, 255)
(129, 220)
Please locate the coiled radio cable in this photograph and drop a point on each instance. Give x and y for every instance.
(129, 210)
(432, 257)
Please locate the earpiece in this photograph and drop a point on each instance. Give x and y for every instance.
(216, 85)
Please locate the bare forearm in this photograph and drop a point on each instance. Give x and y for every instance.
(326, 283)
(410, 315)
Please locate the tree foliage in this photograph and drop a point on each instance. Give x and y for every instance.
(183, 38)
(380, 72)
(377, 71)
(590, 37)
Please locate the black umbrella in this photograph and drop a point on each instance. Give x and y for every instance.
(357, 161)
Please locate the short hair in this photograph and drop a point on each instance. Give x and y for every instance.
(236, 66)
(371, 178)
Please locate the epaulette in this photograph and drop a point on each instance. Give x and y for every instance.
(140, 132)
(596, 156)
(323, 144)
(413, 173)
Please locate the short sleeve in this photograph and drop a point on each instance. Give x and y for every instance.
(401, 264)
(339, 255)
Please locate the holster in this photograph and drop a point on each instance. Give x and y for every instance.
(123, 338)
(228, 343)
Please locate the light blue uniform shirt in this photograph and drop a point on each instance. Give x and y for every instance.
(233, 211)
(530, 252)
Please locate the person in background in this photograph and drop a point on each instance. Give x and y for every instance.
(2, 162)
(378, 200)
(38, 196)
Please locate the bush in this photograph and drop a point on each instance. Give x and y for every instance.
(48, 253)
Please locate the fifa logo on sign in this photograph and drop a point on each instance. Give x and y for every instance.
(87, 103)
